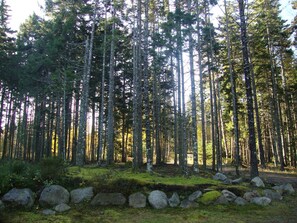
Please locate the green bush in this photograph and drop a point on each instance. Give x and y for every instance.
(22, 174)
(52, 169)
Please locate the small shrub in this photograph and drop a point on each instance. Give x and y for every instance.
(52, 169)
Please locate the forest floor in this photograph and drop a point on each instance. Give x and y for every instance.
(168, 179)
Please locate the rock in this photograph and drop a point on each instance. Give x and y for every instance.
(288, 189)
(54, 195)
(240, 201)
(188, 204)
(278, 189)
(249, 195)
(174, 201)
(158, 199)
(237, 181)
(284, 189)
(222, 200)
(2, 206)
(219, 176)
(273, 195)
(137, 200)
(262, 201)
(210, 197)
(108, 199)
(19, 198)
(194, 196)
(81, 194)
(229, 195)
(62, 208)
(258, 182)
(227, 181)
(48, 212)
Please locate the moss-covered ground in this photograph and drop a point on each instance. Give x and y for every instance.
(167, 178)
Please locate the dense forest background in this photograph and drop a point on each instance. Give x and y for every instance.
(150, 82)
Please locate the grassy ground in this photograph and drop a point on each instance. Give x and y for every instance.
(167, 178)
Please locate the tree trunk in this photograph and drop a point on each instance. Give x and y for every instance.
(249, 93)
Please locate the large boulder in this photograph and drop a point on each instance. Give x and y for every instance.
(222, 200)
(19, 198)
(220, 177)
(174, 201)
(273, 195)
(229, 195)
(158, 199)
(62, 208)
(137, 200)
(258, 182)
(54, 195)
(210, 197)
(262, 201)
(288, 188)
(240, 201)
(284, 189)
(81, 195)
(186, 203)
(194, 196)
(250, 194)
(108, 199)
(237, 181)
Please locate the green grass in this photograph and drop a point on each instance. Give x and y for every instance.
(93, 174)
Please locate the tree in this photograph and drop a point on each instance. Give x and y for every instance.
(249, 94)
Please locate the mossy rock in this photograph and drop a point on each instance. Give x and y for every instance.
(210, 197)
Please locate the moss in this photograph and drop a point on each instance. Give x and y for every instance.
(210, 197)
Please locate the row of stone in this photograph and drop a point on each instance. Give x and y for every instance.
(57, 198)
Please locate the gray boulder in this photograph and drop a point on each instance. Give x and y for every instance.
(174, 201)
(249, 195)
(158, 199)
(48, 212)
(19, 198)
(240, 201)
(273, 195)
(258, 182)
(54, 195)
(284, 189)
(81, 195)
(220, 176)
(194, 196)
(262, 201)
(108, 199)
(222, 200)
(62, 208)
(229, 195)
(288, 189)
(137, 200)
(188, 204)
(237, 181)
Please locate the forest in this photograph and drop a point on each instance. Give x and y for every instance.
(151, 82)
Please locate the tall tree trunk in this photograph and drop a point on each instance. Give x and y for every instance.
(193, 98)
(249, 93)
(101, 115)
(234, 95)
(81, 144)
(110, 127)
(149, 157)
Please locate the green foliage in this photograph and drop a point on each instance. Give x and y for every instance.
(52, 169)
(21, 174)
(18, 174)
